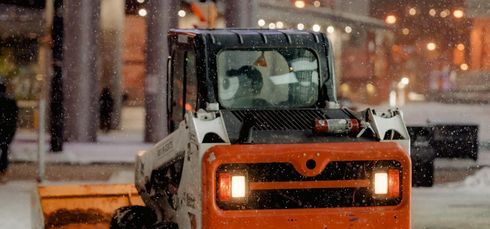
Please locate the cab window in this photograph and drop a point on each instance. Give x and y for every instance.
(183, 86)
(268, 78)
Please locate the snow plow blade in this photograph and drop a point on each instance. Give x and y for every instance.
(81, 206)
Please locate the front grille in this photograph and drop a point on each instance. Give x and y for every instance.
(280, 119)
(312, 197)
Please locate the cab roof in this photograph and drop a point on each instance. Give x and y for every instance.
(208, 43)
(250, 37)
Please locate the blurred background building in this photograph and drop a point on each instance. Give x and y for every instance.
(409, 49)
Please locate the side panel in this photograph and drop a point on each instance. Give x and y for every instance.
(189, 210)
(188, 207)
(168, 176)
(148, 163)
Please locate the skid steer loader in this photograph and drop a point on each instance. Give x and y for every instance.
(258, 140)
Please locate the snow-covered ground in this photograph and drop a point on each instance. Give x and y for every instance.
(455, 205)
(115, 146)
(464, 204)
(110, 148)
(15, 199)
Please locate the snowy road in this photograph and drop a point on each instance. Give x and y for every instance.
(15, 210)
(463, 204)
(455, 205)
(437, 208)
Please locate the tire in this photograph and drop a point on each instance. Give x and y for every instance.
(166, 226)
(423, 174)
(133, 217)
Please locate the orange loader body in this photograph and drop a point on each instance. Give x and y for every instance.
(297, 154)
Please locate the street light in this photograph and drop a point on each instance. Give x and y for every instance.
(432, 12)
(460, 46)
(261, 22)
(316, 27)
(330, 29)
(431, 46)
(181, 13)
(299, 4)
(142, 12)
(445, 13)
(301, 26)
(390, 19)
(458, 13)
(412, 11)
(279, 25)
(348, 29)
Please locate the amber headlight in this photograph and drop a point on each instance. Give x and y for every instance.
(387, 183)
(232, 187)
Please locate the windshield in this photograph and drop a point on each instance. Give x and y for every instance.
(267, 78)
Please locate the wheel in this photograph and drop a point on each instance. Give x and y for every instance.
(423, 174)
(133, 217)
(166, 226)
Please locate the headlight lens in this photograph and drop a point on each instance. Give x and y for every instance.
(231, 186)
(238, 186)
(381, 183)
(387, 183)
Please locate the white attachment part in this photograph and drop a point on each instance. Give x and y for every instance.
(207, 122)
(390, 121)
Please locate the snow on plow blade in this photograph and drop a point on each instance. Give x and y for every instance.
(81, 206)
